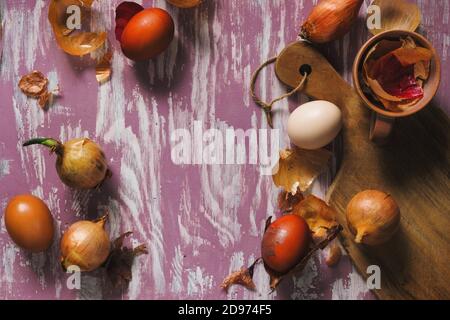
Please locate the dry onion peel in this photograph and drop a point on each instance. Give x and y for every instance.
(44, 99)
(103, 68)
(120, 262)
(377, 51)
(383, 47)
(333, 254)
(243, 277)
(297, 168)
(319, 216)
(398, 107)
(395, 72)
(396, 79)
(397, 15)
(35, 85)
(409, 56)
(422, 70)
(380, 92)
(288, 201)
(76, 43)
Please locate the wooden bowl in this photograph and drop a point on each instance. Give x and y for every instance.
(430, 87)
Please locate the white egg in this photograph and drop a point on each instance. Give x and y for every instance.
(315, 124)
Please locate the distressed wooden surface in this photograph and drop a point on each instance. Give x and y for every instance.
(200, 222)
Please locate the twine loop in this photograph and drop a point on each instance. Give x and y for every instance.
(267, 107)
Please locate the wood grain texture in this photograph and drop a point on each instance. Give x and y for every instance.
(413, 168)
(200, 222)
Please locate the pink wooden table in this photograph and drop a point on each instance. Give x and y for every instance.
(199, 221)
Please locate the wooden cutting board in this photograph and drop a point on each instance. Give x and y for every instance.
(413, 168)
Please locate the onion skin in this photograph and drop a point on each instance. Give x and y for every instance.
(285, 243)
(373, 217)
(80, 163)
(86, 245)
(330, 20)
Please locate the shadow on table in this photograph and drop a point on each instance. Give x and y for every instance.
(165, 73)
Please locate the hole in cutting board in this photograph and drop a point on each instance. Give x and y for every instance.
(305, 69)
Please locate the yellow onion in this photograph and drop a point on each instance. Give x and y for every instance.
(85, 244)
(373, 217)
(330, 20)
(80, 163)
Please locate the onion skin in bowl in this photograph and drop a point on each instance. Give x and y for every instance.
(80, 163)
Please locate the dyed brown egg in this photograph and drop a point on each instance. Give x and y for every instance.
(147, 34)
(29, 223)
(285, 243)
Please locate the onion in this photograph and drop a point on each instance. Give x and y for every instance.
(86, 245)
(80, 163)
(373, 217)
(330, 20)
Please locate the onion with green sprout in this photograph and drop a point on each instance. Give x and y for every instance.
(80, 163)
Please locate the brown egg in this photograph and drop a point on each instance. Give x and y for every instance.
(29, 223)
(147, 34)
(285, 243)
